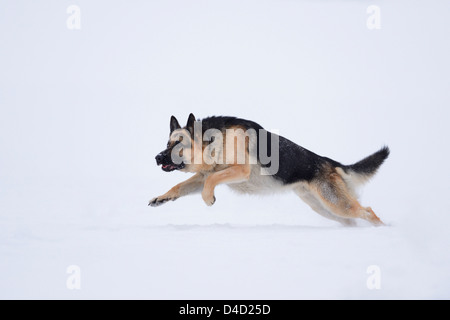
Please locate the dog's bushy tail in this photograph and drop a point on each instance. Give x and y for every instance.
(363, 170)
(369, 165)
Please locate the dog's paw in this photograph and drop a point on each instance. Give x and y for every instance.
(155, 202)
(209, 199)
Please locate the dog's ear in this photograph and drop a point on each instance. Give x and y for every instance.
(190, 124)
(174, 125)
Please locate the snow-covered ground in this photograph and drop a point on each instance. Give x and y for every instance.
(239, 249)
(84, 112)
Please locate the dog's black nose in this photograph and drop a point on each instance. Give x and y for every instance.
(159, 159)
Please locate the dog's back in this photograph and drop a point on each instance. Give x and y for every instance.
(326, 185)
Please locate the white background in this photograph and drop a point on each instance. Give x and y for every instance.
(84, 112)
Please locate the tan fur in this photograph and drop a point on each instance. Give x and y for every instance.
(259, 184)
(353, 181)
(236, 173)
(208, 175)
(191, 185)
(332, 193)
(304, 191)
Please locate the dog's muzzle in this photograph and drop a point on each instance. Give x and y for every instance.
(166, 163)
(159, 159)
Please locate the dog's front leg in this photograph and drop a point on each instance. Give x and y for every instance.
(191, 185)
(235, 173)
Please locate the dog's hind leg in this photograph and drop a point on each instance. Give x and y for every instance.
(331, 190)
(309, 198)
(192, 185)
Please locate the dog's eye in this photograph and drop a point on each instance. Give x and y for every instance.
(173, 144)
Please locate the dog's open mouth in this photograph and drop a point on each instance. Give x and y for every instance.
(172, 167)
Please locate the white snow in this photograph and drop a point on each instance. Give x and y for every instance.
(84, 112)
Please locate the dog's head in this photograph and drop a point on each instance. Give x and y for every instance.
(174, 156)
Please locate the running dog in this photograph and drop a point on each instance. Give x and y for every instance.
(326, 185)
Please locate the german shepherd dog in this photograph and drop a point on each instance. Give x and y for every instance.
(327, 186)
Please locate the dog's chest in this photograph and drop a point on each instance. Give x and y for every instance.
(258, 183)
